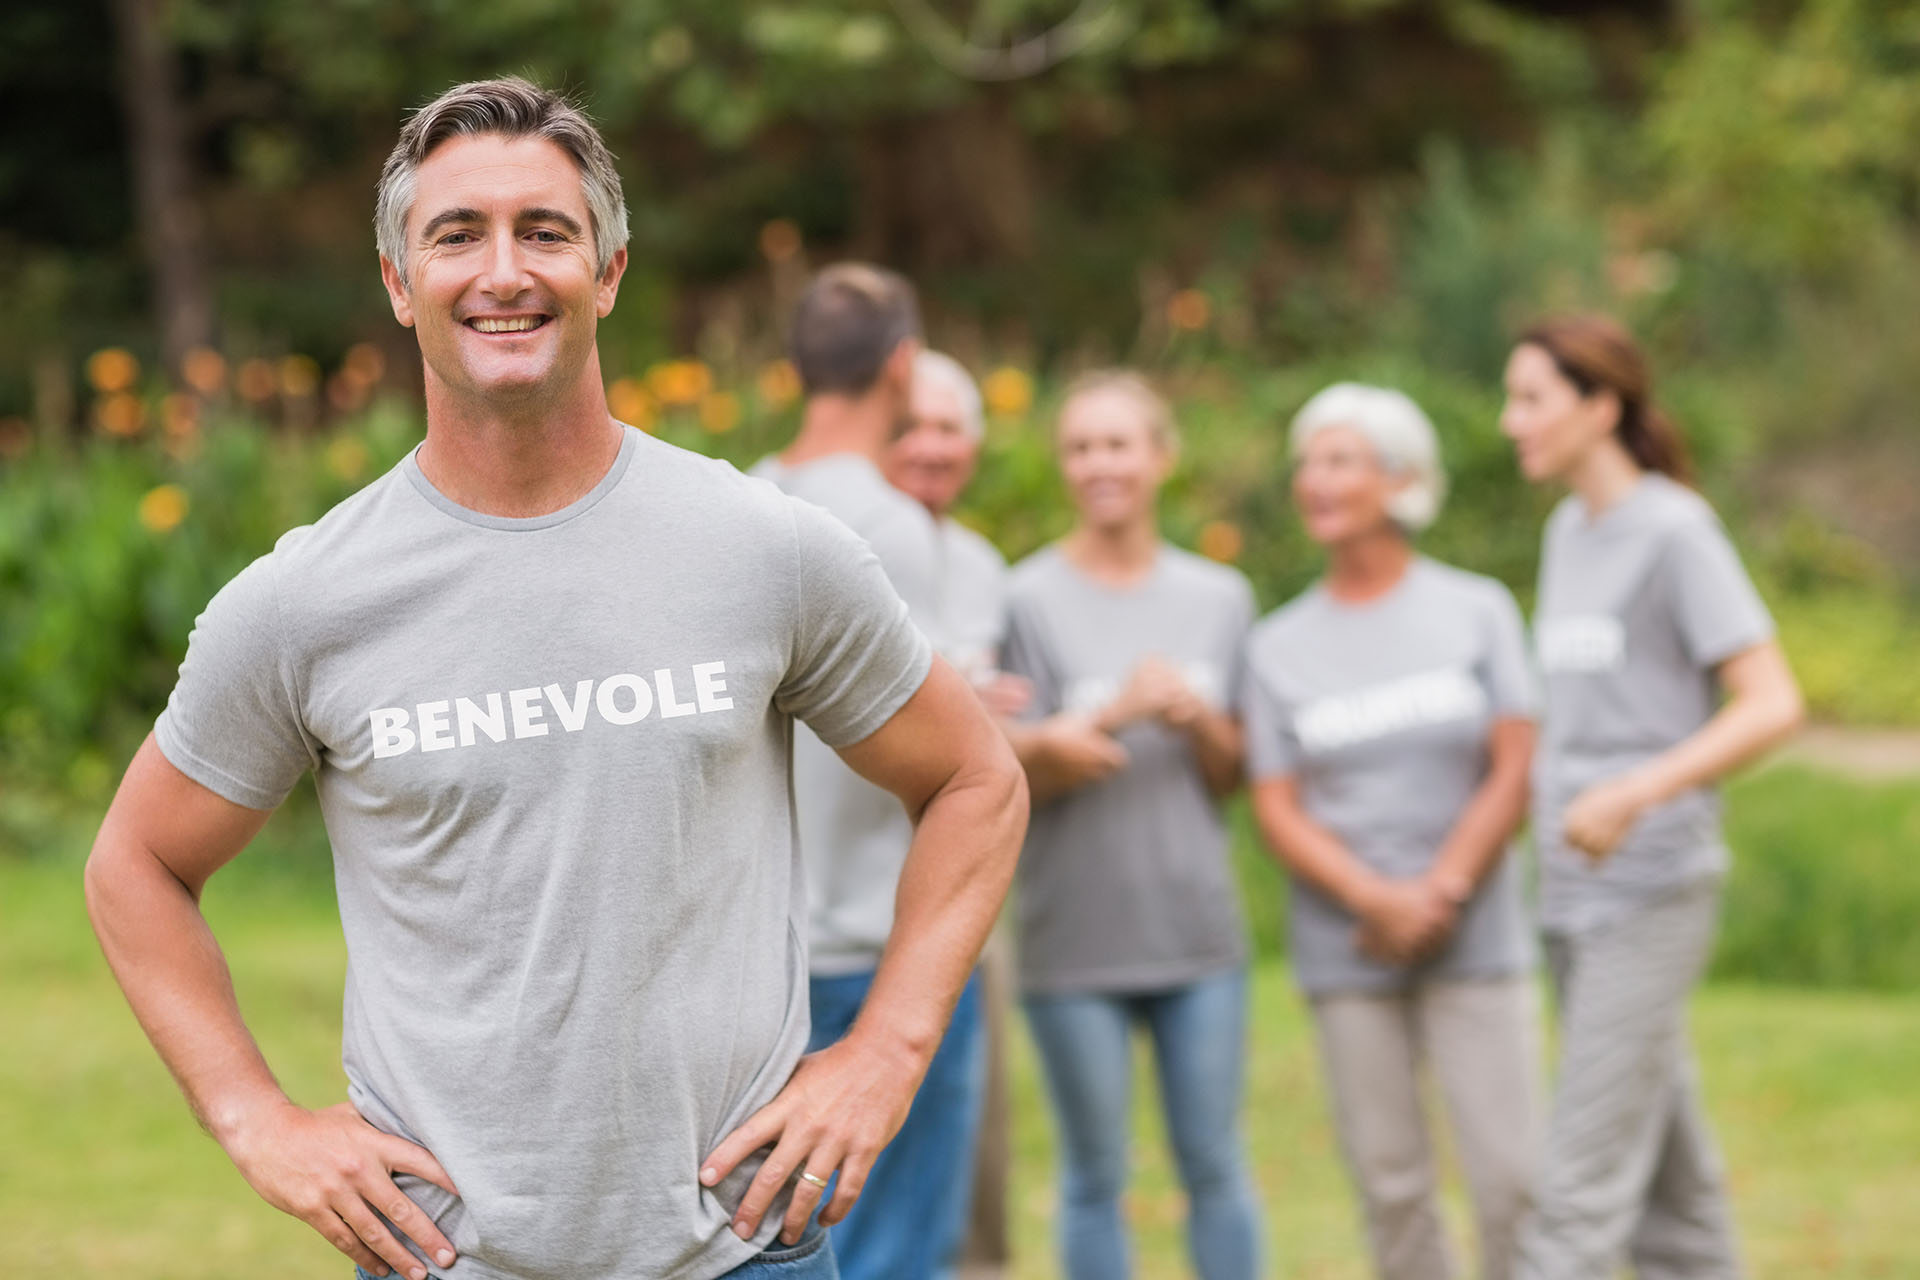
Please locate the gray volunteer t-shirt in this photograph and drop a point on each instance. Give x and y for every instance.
(853, 834)
(972, 612)
(552, 754)
(1636, 609)
(1381, 712)
(1125, 884)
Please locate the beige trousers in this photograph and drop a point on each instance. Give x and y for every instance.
(1480, 1042)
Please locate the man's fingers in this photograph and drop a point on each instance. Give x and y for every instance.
(410, 1157)
(783, 1163)
(821, 1163)
(760, 1128)
(853, 1180)
(336, 1232)
(382, 1242)
(386, 1196)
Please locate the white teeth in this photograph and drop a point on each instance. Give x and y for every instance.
(517, 324)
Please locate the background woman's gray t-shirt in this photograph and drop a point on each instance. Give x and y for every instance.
(552, 755)
(1125, 884)
(1381, 714)
(1636, 609)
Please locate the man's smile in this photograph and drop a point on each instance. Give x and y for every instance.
(506, 324)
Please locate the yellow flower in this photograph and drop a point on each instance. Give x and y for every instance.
(112, 369)
(719, 412)
(120, 414)
(1221, 540)
(679, 382)
(1008, 392)
(299, 376)
(205, 370)
(347, 458)
(628, 401)
(1189, 309)
(163, 508)
(779, 384)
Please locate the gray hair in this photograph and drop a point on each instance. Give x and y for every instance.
(1402, 437)
(512, 108)
(943, 370)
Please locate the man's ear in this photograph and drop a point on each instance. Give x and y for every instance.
(898, 370)
(396, 292)
(610, 283)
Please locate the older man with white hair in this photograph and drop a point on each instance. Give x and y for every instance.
(1389, 733)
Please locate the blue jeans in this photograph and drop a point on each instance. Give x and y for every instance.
(1199, 1044)
(810, 1259)
(910, 1217)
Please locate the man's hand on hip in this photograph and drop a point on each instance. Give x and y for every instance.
(332, 1170)
(839, 1109)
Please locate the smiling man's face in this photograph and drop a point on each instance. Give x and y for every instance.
(501, 288)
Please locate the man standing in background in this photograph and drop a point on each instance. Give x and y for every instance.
(932, 462)
(855, 340)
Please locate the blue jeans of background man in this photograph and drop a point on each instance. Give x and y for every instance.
(1199, 1044)
(908, 1222)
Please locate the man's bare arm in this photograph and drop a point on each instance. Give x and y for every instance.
(162, 838)
(952, 768)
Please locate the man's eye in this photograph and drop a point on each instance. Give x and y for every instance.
(549, 237)
(457, 237)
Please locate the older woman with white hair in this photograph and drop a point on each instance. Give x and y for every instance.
(1389, 714)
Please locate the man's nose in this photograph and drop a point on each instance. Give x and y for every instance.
(505, 276)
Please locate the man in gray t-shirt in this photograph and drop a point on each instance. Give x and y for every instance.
(545, 674)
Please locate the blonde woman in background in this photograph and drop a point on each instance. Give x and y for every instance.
(1127, 911)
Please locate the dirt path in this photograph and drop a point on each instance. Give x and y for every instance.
(1870, 755)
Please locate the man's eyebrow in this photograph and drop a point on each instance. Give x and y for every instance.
(448, 216)
(565, 221)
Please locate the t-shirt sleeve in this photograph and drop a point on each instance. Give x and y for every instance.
(1273, 749)
(1511, 683)
(1024, 654)
(233, 722)
(857, 656)
(1718, 610)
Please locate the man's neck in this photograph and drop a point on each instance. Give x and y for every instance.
(834, 424)
(519, 459)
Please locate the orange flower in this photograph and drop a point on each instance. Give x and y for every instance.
(679, 382)
(1189, 309)
(628, 401)
(256, 381)
(205, 370)
(1008, 392)
(779, 240)
(1221, 540)
(365, 363)
(112, 369)
(163, 508)
(779, 384)
(719, 412)
(120, 414)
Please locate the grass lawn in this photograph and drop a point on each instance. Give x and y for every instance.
(105, 1175)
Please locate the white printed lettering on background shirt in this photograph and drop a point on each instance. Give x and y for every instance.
(1581, 643)
(1412, 702)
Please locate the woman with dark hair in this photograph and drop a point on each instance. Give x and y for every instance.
(1662, 676)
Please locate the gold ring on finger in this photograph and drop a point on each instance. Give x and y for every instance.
(814, 1178)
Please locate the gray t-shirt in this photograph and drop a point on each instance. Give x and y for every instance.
(1636, 609)
(552, 754)
(972, 595)
(855, 835)
(1381, 712)
(1125, 884)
